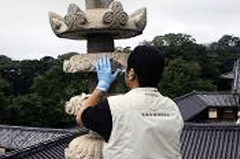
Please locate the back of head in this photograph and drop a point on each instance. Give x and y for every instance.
(148, 64)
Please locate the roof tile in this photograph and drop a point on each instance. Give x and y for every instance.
(18, 137)
(215, 141)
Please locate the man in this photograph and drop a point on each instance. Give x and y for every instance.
(141, 124)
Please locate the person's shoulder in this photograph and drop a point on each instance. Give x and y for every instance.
(118, 102)
(115, 96)
(168, 102)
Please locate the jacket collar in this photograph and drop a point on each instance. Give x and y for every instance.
(144, 89)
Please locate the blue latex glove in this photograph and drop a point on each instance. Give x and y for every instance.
(104, 73)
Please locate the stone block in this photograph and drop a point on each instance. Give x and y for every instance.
(87, 62)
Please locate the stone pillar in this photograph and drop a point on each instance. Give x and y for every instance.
(100, 43)
(93, 4)
(97, 43)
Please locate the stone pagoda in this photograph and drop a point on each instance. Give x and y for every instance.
(101, 23)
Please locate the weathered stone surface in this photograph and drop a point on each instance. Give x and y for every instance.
(75, 17)
(115, 17)
(73, 9)
(122, 17)
(108, 19)
(116, 6)
(87, 62)
(57, 23)
(139, 17)
(87, 146)
(93, 4)
(97, 43)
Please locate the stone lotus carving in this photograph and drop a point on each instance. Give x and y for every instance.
(78, 24)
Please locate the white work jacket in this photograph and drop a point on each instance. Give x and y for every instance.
(146, 125)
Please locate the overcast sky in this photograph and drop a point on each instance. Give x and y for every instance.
(25, 31)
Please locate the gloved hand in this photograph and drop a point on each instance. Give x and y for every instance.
(104, 73)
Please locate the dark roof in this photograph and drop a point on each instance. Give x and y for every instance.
(210, 141)
(36, 143)
(46, 150)
(193, 103)
(19, 137)
(198, 141)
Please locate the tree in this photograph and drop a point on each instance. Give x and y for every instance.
(172, 39)
(226, 50)
(229, 40)
(20, 75)
(175, 45)
(54, 88)
(45, 64)
(4, 60)
(26, 110)
(36, 91)
(181, 77)
(4, 92)
(183, 46)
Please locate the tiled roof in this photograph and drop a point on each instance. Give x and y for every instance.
(46, 150)
(19, 137)
(36, 143)
(199, 141)
(193, 103)
(210, 141)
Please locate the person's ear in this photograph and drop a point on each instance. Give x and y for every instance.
(131, 75)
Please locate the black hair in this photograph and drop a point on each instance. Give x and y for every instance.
(148, 64)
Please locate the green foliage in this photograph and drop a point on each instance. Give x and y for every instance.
(45, 88)
(184, 56)
(55, 88)
(181, 77)
(25, 110)
(226, 51)
(173, 40)
(4, 91)
(34, 92)
(229, 40)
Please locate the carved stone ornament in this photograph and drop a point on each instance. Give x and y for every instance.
(88, 146)
(86, 62)
(100, 16)
(115, 16)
